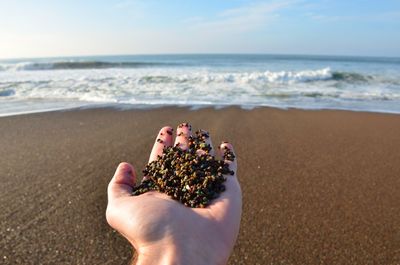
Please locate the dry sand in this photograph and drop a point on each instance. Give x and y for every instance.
(319, 187)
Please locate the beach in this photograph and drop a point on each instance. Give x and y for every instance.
(319, 187)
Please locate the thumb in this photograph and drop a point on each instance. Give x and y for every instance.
(122, 182)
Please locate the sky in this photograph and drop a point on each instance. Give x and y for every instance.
(48, 28)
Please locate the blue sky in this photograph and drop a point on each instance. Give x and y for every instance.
(42, 28)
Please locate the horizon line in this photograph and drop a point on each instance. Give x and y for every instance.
(201, 53)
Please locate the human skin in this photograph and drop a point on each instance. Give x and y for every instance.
(164, 231)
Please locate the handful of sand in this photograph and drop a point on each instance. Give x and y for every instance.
(192, 177)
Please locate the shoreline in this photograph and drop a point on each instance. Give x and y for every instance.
(318, 186)
(194, 107)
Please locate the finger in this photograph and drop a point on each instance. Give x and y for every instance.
(207, 140)
(122, 182)
(164, 139)
(229, 205)
(227, 209)
(183, 132)
(228, 154)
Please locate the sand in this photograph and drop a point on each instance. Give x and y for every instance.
(319, 187)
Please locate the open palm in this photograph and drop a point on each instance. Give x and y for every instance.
(163, 230)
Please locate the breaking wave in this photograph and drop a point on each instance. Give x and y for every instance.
(200, 80)
(194, 86)
(267, 76)
(76, 65)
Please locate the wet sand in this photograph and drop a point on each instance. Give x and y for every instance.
(319, 187)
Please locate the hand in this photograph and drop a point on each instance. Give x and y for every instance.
(164, 231)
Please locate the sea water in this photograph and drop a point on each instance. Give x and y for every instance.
(217, 80)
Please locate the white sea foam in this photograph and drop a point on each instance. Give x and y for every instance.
(53, 87)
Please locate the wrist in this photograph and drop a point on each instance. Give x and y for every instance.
(167, 254)
(154, 255)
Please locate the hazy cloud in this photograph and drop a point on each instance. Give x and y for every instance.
(125, 4)
(383, 16)
(245, 18)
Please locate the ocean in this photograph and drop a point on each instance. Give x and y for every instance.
(217, 80)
